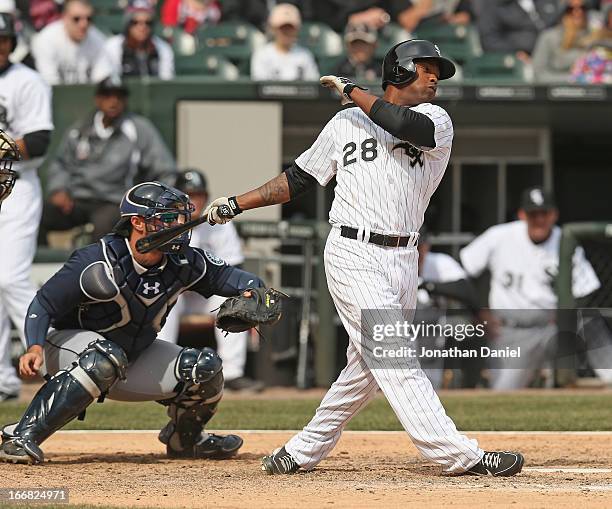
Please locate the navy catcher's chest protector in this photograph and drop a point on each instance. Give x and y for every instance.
(129, 307)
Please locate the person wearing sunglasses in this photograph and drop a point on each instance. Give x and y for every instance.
(136, 52)
(66, 50)
(557, 48)
(99, 157)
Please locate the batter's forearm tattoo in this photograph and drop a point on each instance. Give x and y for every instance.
(275, 191)
(271, 193)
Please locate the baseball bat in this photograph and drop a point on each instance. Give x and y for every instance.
(158, 239)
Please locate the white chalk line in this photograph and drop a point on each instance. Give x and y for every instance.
(566, 470)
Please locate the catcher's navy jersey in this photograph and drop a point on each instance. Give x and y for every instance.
(101, 288)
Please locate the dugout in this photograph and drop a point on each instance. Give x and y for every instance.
(506, 138)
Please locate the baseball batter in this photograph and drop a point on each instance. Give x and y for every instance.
(106, 306)
(25, 115)
(523, 258)
(388, 157)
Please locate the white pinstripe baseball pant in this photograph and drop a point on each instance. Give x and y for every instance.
(365, 276)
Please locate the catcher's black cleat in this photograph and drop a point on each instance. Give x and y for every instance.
(211, 446)
(14, 449)
(279, 462)
(498, 464)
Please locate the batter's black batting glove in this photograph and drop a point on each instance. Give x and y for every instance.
(344, 86)
(222, 210)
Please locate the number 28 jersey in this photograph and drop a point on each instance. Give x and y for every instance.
(384, 184)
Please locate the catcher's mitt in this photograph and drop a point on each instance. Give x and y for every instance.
(253, 307)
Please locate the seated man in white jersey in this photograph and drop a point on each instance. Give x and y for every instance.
(66, 50)
(282, 59)
(523, 258)
(443, 283)
(224, 242)
(388, 156)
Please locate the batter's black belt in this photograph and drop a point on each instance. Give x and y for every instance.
(381, 240)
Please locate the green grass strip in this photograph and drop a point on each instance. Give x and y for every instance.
(477, 411)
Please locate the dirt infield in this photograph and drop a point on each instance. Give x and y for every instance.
(366, 470)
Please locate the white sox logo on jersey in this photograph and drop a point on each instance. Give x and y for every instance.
(151, 288)
(415, 155)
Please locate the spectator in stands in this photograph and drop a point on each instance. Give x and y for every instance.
(43, 12)
(557, 48)
(66, 50)
(360, 62)
(21, 54)
(190, 14)
(596, 66)
(282, 59)
(433, 12)
(339, 13)
(99, 158)
(512, 26)
(136, 52)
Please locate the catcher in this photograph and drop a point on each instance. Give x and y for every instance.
(106, 305)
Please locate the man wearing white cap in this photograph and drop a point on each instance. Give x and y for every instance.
(282, 59)
(360, 62)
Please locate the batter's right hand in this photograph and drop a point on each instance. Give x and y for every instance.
(222, 210)
(31, 361)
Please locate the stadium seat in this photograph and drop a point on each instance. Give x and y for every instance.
(204, 64)
(182, 43)
(320, 39)
(457, 42)
(232, 40)
(110, 23)
(389, 36)
(495, 68)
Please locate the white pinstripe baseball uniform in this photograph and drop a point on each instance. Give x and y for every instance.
(384, 185)
(522, 279)
(25, 107)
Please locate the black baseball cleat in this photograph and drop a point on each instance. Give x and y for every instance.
(211, 446)
(498, 464)
(14, 449)
(279, 462)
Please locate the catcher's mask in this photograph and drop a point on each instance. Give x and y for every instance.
(9, 153)
(161, 207)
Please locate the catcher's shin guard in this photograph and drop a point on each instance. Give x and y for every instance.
(199, 392)
(62, 399)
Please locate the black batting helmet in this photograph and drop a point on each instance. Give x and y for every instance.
(7, 28)
(398, 65)
(191, 180)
